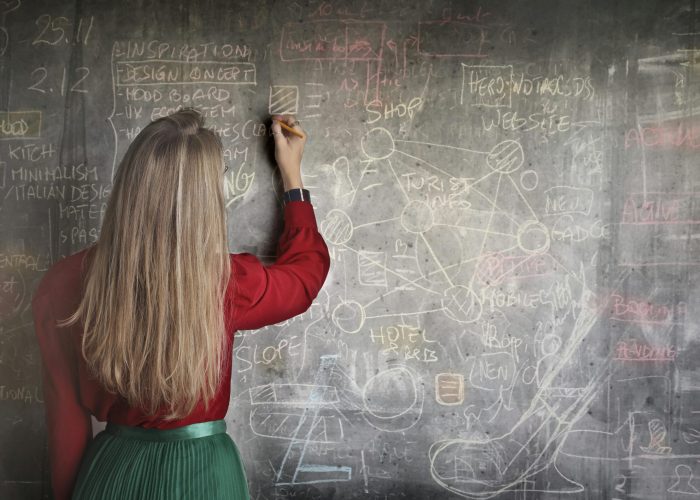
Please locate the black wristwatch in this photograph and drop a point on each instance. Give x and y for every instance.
(296, 194)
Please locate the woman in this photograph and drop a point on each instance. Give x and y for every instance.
(137, 329)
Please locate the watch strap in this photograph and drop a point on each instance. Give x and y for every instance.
(297, 194)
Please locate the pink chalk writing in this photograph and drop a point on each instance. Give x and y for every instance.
(333, 40)
(660, 208)
(473, 17)
(644, 311)
(635, 350)
(493, 267)
(679, 136)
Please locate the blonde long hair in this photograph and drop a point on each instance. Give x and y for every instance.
(152, 309)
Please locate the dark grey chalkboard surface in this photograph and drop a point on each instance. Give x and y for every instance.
(510, 192)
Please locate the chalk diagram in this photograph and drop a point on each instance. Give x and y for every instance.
(445, 274)
(432, 254)
(308, 414)
(443, 267)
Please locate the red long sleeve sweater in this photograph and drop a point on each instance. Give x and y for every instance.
(257, 295)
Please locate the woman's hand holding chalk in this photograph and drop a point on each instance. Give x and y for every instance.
(289, 129)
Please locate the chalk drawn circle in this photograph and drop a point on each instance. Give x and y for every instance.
(396, 386)
(336, 227)
(417, 217)
(533, 237)
(377, 144)
(461, 304)
(349, 316)
(483, 479)
(389, 395)
(506, 157)
(529, 180)
(550, 344)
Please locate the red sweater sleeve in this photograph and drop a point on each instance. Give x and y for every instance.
(265, 295)
(67, 422)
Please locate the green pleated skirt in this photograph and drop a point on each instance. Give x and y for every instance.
(198, 461)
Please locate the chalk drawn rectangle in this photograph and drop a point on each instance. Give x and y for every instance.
(561, 200)
(20, 124)
(310, 474)
(174, 72)
(493, 371)
(372, 268)
(284, 424)
(488, 86)
(450, 39)
(293, 394)
(332, 40)
(284, 99)
(449, 388)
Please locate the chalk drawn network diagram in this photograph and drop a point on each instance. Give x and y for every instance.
(438, 260)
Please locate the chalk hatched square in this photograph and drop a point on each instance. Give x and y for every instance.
(372, 266)
(284, 100)
(449, 388)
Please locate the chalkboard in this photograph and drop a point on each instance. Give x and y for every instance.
(510, 193)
